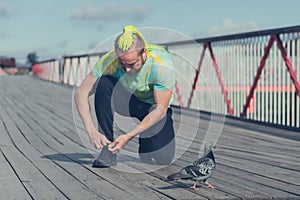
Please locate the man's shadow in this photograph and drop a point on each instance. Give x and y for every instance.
(85, 158)
(81, 158)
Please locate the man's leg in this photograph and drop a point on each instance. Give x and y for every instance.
(158, 142)
(103, 105)
(111, 96)
(104, 113)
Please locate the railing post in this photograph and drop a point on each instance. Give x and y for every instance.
(197, 75)
(288, 64)
(178, 95)
(227, 101)
(259, 70)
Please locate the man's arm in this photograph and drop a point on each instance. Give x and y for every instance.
(81, 98)
(162, 98)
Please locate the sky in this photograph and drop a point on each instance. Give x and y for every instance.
(54, 28)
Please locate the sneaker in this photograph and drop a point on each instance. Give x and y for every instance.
(105, 159)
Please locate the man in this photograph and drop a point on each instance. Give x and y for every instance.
(135, 79)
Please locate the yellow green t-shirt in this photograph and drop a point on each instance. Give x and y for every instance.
(157, 73)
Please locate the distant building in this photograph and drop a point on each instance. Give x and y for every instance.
(23, 68)
(7, 62)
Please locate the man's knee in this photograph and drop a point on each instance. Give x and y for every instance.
(156, 158)
(163, 160)
(162, 156)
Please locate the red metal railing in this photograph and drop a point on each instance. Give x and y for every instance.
(252, 75)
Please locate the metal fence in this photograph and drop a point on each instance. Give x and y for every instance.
(252, 75)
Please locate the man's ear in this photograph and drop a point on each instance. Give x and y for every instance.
(144, 54)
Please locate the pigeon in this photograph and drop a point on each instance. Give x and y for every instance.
(199, 171)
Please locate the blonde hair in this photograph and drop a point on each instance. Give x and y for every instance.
(130, 39)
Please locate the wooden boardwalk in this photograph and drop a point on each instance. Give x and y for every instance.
(42, 156)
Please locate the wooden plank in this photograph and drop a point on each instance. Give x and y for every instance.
(36, 184)
(261, 141)
(283, 162)
(264, 185)
(4, 137)
(265, 170)
(5, 140)
(10, 185)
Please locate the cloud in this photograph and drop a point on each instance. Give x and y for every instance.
(230, 27)
(110, 12)
(160, 35)
(4, 35)
(5, 10)
(18, 54)
(92, 44)
(63, 44)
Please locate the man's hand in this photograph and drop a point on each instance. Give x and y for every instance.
(98, 140)
(119, 143)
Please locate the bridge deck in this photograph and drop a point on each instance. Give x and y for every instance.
(42, 157)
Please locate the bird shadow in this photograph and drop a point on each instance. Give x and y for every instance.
(179, 185)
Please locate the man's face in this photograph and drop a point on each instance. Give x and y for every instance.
(133, 61)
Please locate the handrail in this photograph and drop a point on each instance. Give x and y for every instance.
(275, 31)
(292, 29)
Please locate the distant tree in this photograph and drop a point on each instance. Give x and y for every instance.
(32, 58)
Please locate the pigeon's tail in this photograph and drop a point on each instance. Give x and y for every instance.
(174, 177)
(184, 174)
